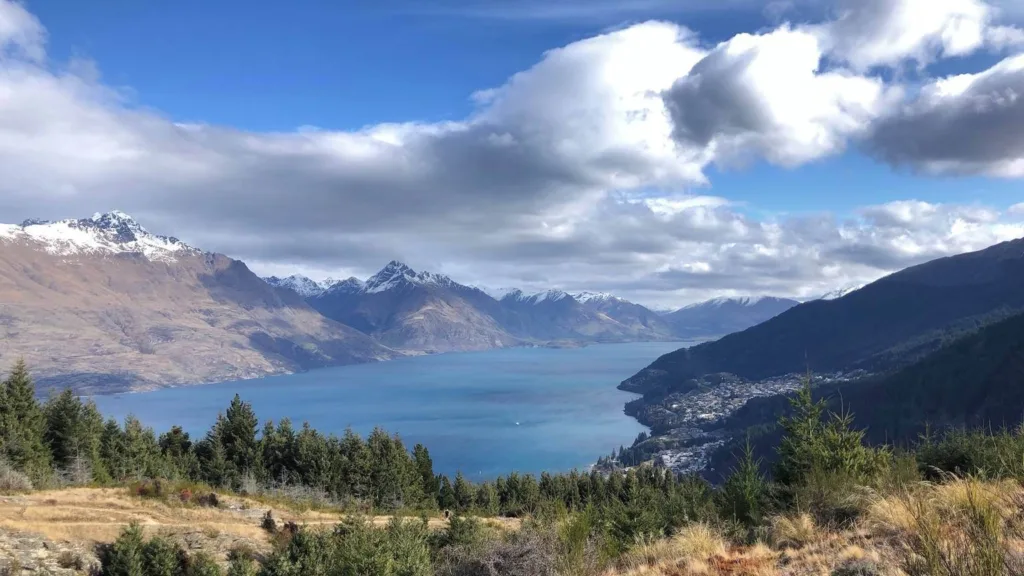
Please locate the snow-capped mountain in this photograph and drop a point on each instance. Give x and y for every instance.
(302, 285)
(587, 297)
(840, 292)
(102, 304)
(407, 309)
(397, 275)
(721, 316)
(109, 233)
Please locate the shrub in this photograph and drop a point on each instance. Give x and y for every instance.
(268, 523)
(525, 554)
(202, 564)
(10, 567)
(151, 489)
(161, 557)
(12, 480)
(125, 556)
(70, 561)
(858, 568)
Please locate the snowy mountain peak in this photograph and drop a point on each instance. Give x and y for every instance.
(549, 296)
(105, 233)
(738, 301)
(348, 285)
(596, 297)
(304, 286)
(840, 292)
(397, 274)
(508, 294)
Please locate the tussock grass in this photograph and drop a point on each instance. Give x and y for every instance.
(795, 531)
(696, 542)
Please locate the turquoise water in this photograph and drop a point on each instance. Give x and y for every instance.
(484, 413)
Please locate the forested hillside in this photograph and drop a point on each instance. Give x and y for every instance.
(888, 323)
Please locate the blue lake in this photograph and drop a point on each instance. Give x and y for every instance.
(484, 413)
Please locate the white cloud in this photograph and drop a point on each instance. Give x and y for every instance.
(766, 95)
(577, 172)
(868, 33)
(966, 124)
(21, 34)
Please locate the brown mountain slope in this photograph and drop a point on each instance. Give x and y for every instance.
(107, 320)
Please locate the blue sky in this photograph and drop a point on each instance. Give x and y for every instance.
(278, 66)
(196, 117)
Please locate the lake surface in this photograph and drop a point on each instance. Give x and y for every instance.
(484, 413)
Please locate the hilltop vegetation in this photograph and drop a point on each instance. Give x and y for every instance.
(827, 485)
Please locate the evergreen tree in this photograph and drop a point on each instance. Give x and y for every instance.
(446, 495)
(356, 466)
(178, 451)
(22, 424)
(142, 453)
(238, 436)
(744, 496)
(125, 557)
(464, 493)
(73, 434)
(425, 469)
(487, 498)
(810, 444)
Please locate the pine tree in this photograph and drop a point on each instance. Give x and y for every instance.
(177, 449)
(238, 436)
(446, 495)
(463, 493)
(214, 466)
(112, 450)
(425, 469)
(72, 434)
(811, 444)
(22, 424)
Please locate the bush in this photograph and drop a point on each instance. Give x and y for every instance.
(161, 557)
(202, 564)
(125, 556)
(268, 523)
(525, 554)
(70, 561)
(11, 480)
(858, 568)
(157, 488)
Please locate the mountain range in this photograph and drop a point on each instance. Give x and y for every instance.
(102, 304)
(882, 326)
(935, 345)
(421, 311)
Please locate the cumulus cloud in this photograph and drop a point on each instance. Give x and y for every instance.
(578, 172)
(766, 95)
(868, 33)
(966, 124)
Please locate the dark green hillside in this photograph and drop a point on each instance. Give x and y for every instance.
(886, 324)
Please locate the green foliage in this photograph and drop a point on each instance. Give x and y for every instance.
(810, 443)
(745, 497)
(22, 425)
(126, 556)
(160, 557)
(355, 548)
(72, 433)
(202, 564)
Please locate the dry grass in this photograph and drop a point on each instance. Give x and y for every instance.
(97, 515)
(695, 543)
(794, 531)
